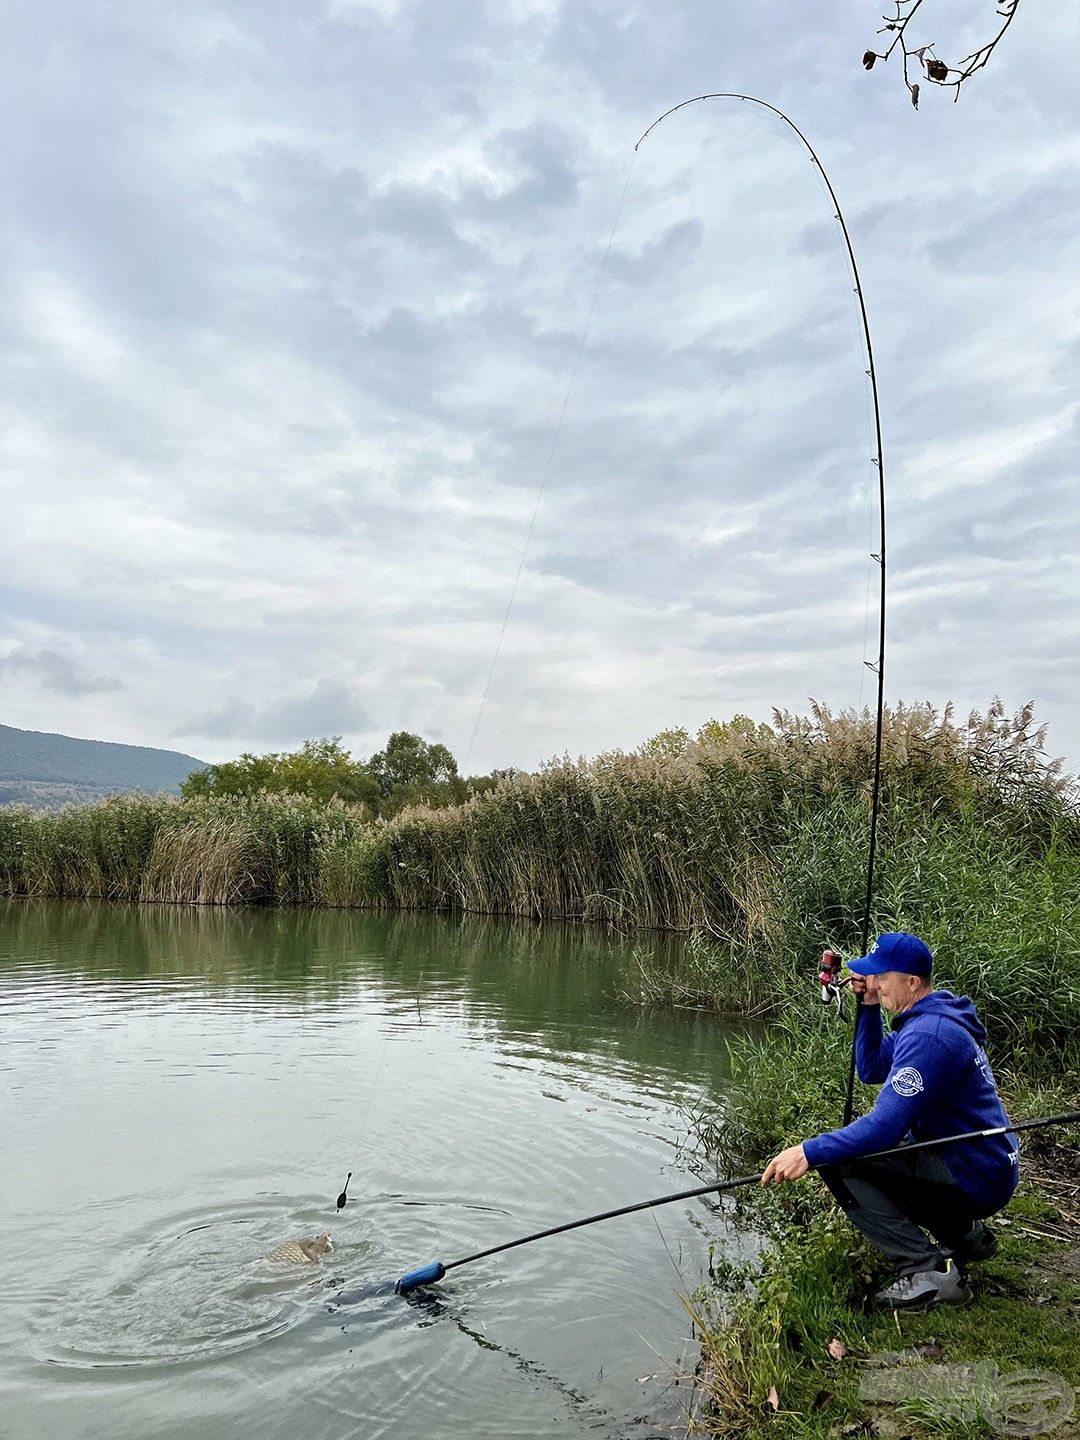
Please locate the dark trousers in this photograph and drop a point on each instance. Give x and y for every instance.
(895, 1200)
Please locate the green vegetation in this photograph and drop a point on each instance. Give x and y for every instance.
(768, 1366)
(410, 771)
(752, 837)
(983, 861)
(752, 840)
(321, 770)
(766, 1326)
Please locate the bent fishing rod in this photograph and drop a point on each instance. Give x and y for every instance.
(879, 462)
(432, 1273)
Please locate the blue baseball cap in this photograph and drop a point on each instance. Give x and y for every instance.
(895, 951)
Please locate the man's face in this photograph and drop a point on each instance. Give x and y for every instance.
(896, 991)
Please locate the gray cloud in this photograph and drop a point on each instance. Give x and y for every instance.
(328, 708)
(537, 167)
(225, 722)
(56, 672)
(289, 311)
(677, 244)
(416, 216)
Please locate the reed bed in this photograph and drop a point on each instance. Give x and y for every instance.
(221, 851)
(711, 834)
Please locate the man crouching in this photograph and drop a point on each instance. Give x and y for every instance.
(937, 1081)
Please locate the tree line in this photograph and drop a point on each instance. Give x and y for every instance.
(408, 771)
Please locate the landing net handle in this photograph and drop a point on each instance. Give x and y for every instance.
(433, 1273)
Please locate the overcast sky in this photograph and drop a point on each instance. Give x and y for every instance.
(291, 301)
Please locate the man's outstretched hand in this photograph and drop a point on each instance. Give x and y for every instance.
(790, 1164)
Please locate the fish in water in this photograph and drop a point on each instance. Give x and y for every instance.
(301, 1252)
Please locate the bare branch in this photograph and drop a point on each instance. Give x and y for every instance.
(931, 69)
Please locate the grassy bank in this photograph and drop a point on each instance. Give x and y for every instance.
(771, 1361)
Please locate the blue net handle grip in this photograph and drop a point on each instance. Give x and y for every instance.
(426, 1275)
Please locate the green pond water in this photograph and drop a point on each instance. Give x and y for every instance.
(182, 1090)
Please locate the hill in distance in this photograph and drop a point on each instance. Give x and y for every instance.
(47, 771)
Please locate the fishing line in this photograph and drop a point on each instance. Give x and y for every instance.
(435, 1308)
(343, 1197)
(869, 475)
(877, 668)
(578, 1403)
(547, 468)
(878, 460)
(869, 396)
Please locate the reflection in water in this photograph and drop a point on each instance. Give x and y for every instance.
(314, 951)
(203, 1079)
(204, 1291)
(551, 981)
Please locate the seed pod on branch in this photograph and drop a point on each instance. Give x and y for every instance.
(937, 72)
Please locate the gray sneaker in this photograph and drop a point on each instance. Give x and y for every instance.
(925, 1289)
(980, 1243)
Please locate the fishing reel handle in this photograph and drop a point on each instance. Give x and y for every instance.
(831, 964)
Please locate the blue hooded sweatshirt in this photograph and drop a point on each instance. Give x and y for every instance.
(937, 1081)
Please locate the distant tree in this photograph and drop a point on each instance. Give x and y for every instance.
(718, 730)
(668, 744)
(409, 762)
(409, 771)
(322, 769)
(928, 67)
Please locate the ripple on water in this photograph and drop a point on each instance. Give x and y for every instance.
(197, 1287)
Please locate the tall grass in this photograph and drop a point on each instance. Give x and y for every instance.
(221, 851)
(712, 836)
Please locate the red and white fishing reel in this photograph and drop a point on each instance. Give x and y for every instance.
(829, 977)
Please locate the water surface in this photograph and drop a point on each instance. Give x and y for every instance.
(182, 1090)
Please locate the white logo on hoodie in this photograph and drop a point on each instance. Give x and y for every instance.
(907, 1081)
